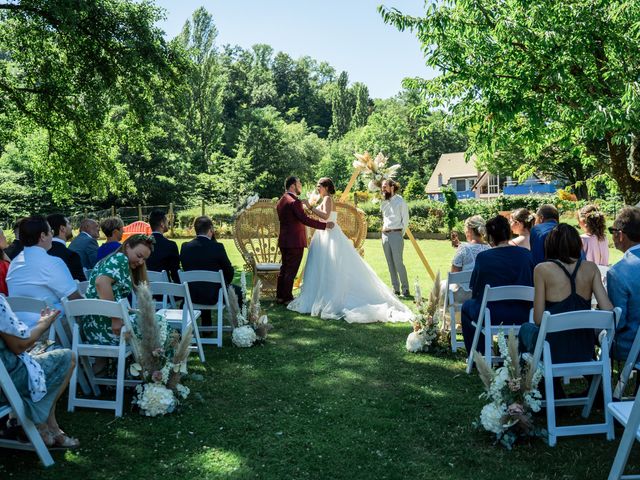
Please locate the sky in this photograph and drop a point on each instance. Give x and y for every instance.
(348, 34)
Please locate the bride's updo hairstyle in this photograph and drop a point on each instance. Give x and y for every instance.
(327, 183)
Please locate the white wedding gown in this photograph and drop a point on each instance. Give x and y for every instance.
(338, 283)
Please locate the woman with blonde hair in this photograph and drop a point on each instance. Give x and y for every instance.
(594, 241)
(521, 221)
(465, 256)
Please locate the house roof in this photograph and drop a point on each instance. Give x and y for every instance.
(451, 165)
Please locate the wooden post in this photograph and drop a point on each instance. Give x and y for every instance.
(203, 207)
(86, 213)
(171, 219)
(139, 212)
(113, 210)
(420, 254)
(347, 189)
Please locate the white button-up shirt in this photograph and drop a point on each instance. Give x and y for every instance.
(36, 274)
(395, 214)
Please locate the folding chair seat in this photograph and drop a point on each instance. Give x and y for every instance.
(16, 407)
(628, 414)
(484, 325)
(460, 279)
(75, 310)
(599, 369)
(213, 278)
(182, 316)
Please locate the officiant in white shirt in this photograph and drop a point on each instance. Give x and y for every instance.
(395, 220)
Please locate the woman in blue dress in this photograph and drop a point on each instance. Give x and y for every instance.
(502, 265)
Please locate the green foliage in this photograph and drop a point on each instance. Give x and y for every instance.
(553, 78)
(341, 108)
(450, 207)
(415, 188)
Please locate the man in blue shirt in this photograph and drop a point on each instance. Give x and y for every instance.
(546, 219)
(623, 279)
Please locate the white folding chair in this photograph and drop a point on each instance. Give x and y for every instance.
(628, 414)
(16, 407)
(154, 276)
(483, 324)
(461, 279)
(82, 287)
(182, 316)
(599, 369)
(58, 332)
(75, 310)
(214, 278)
(631, 363)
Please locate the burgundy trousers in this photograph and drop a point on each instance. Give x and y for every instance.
(291, 258)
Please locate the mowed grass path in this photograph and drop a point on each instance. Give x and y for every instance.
(321, 400)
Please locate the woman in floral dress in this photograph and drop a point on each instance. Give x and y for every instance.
(113, 278)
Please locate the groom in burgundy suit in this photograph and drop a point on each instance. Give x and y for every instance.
(293, 237)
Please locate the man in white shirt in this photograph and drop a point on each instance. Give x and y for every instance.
(395, 220)
(36, 274)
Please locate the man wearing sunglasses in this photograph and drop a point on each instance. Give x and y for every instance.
(623, 279)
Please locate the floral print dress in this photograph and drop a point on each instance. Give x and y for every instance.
(96, 328)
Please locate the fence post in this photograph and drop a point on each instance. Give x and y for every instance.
(171, 219)
(139, 212)
(86, 213)
(203, 207)
(113, 210)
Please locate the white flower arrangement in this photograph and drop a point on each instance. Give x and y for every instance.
(160, 391)
(313, 198)
(250, 324)
(512, 391)
(426, 333)
(247, 203)
(375, 169)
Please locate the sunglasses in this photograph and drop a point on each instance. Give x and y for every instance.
(613, 230)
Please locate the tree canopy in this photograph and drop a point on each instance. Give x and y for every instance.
(540, 77)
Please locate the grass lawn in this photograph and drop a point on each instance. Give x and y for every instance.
(321, 400)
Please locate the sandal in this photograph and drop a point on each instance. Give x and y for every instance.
(64, 441)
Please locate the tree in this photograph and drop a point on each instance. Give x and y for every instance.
(341, 108)
(537, 74)
(64, 65)
(361, 112)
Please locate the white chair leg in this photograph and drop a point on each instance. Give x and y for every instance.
(73, 382)
(488, 341)
(219, 328)
(624, 449)
(36, 440)
(593, 391)
(120, 377)
(474, 345)
(606, 392)
(551, 405)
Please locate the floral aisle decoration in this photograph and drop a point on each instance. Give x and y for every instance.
(512, 391)
(427, 334)
(160, 356)
(375, 170)
(250, 324)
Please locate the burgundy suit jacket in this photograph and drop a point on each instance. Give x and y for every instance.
(292, 222)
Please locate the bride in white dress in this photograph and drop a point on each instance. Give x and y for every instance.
(337, 282)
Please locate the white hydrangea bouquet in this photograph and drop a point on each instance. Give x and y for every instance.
(250, 324)
(374, 169)
(427, 334)
(160, 359)
(512, 391)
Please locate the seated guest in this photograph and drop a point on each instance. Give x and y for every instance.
(205, 253)
(546, 219)
(165, 254)
(564, 283)
(40, 379)
(34, 273)
(112, 228)
(86, 243)
(114, 278)
(62, 233)
(466, 253)
(594, 241)
(502, 265)
(623, 279)
(15, 248)
(521, 222)
(4, 264)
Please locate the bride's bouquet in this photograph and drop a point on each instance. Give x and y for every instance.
(374, 169)
(313, 197)
(426, 335)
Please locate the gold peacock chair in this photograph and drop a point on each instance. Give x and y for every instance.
(256, 237)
